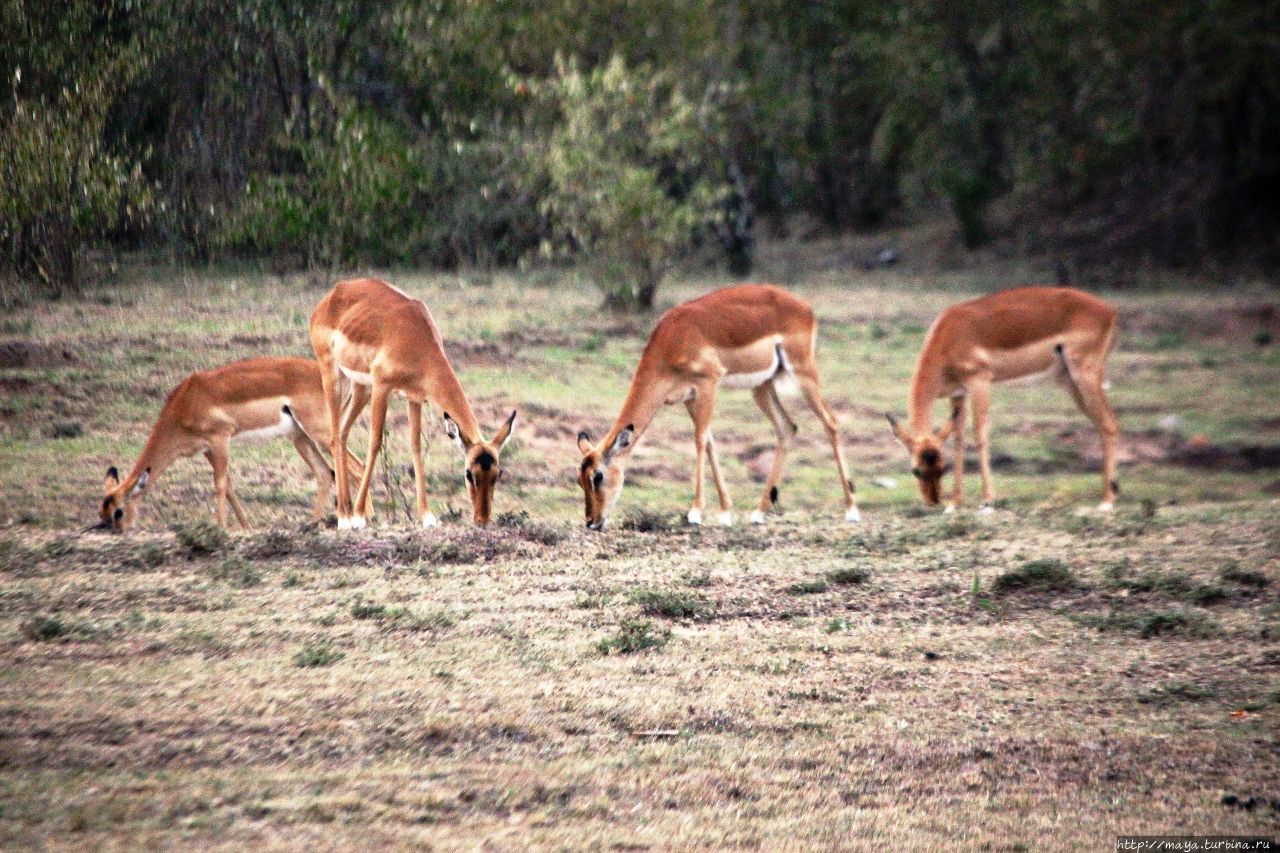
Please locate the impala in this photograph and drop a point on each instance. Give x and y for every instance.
(750, 336)
(1028, 331)
(384, 341)
(255, 398)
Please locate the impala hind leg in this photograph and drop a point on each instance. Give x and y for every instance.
(700, 409)
(808, 382)
(377, 421)
(1086, 388)
(324, 475)
(726, 502)
(766, 397)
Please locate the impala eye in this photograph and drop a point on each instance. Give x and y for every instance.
(470, 479)
(917, 473)
(598, 479)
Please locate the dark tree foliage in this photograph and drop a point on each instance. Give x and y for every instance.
(354, 131)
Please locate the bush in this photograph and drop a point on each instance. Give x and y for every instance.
(674, 604)
(849, 575)
(626, 172)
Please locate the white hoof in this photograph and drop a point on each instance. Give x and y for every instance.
(986, 509)
(757, 517)
(725, 519)
(1106, 506)
(948, 509)
(852, 515)
(358, 522)
(344, 523)
(430, 520)
(695, 516)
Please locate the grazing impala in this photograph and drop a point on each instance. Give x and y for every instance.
(749, 336)
(255, 398)
(1024, 332)
(384, 341)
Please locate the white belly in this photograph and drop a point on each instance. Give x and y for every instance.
(752, 380)
(283, 428)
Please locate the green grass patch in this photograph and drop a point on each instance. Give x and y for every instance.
(673, 604)
(809, 587)
(634, 635)
(848, 576)
(316, 654)
(1044, 574)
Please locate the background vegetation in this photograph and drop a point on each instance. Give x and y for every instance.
(630, 133)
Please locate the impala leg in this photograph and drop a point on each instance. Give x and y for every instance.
(419, 475)
(700, 409)
(337, 441)
(1086, 390)
(356, 403)
(320, 468)
(980, 399)
(219, 457)
(377, 421)
(726, 502)
(808, 382)
(957, 472)
(766, 397)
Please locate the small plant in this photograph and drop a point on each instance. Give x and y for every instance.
(319, 653)
(200, 537)
(812, 587)
(270, 545)
(292, 580)
(634, 635)
(236, 570)
(1045, 574)
(836, 626)
(1155, 623)
(147, 555)
(1245, 577)
(673, 604)
(1176, 691)
(848, 576)
(45, 628)
(512, 519)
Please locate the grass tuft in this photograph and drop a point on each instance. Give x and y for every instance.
(1245, 577)
(315, 654)
(1044, 574)
(200, 537)
(848, 576)
(673, 604)
(811, 587)
(634, 635)
(650, 521)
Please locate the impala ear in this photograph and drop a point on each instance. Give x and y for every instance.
(143, 479)
(584, 442)
(112, 480)
(451, 430)
(901, 434)
(621, 443)
(504, 434)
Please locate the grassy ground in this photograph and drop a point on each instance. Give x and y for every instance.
(1038, 678)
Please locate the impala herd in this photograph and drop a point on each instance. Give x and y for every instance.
(372, 340)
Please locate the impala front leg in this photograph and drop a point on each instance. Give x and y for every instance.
(425, 516)
(957, 472)
(980, 395)
(700, 409)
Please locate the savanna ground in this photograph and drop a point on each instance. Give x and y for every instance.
(1040, 678)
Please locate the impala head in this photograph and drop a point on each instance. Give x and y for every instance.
(119, 505)
(480, 467)
(927, 460)
(601, 474)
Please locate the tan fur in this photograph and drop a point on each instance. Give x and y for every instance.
(1006, 336)
(208, 409)
(693, 348)
(366, 327)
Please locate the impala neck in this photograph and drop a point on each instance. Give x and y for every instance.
(647, 393)
(157, 455)
(926, 387)
(449, 396)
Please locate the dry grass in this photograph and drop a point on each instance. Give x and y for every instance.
(805, 684)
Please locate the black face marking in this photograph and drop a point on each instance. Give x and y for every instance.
(598, 479)
(485, 460)
(118, 514)
(929, 457)
(470, 479)
(106, 503)
(113, 473)
(917, 473)
(773, 495)
(586, 463)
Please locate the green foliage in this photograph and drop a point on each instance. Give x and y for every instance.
(630, 184)
(810, 587)
(316, 654)
(848, 575)
(201, 537)
(674, 604)
(62, 182)
(1045, 574)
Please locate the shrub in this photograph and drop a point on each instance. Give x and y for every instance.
(848, 575)
(812, 587)
(320, 653)
(628, 174)
(634, 635)
(1245, 577)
